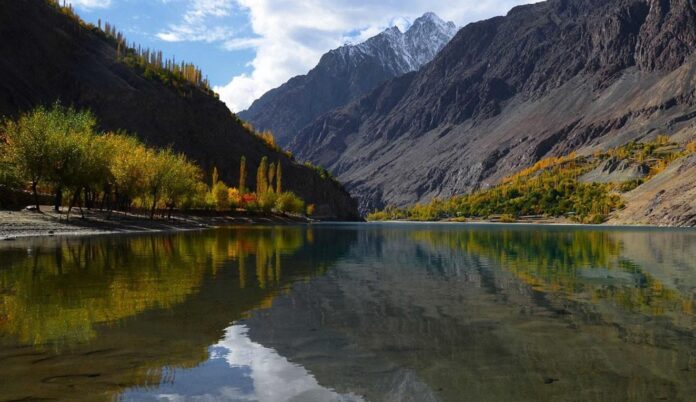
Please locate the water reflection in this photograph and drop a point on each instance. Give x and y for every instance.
(240, 369)
(352, 313)
(101, 314)
(591, 264)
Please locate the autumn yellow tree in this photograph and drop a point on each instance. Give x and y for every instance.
(279, 178)
(215, 177)
(242, 176)
(271, 176)
(262, 177)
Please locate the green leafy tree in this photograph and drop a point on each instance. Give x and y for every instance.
(28, 144)
(221, 196)
(157, 175)
(182, 184)
(128, 166)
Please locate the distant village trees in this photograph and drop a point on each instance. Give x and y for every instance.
(551, 187)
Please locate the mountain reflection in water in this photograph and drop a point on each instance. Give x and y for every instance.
(387, 312)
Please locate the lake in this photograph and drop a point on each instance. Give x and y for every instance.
(354, 312)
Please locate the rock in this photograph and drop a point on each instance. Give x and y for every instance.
(668, 199)
(547, 79)
(614, 170)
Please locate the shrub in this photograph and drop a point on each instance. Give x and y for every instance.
(691, 147)
(507, 218)
(234, 197)
(594, 219)
(290, 203)
(248, 200)
(221, 196)
(630, 185)
(266, 201)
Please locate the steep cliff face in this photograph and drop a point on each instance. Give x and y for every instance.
(347, 73)
(47, 56)
(546, 79)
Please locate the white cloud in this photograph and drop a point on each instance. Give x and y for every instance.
(241, 43)
(90, 4)
(194, 26)
(274, 378)
(293, 34)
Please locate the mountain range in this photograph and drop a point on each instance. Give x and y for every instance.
(544, 80)
(346, 73)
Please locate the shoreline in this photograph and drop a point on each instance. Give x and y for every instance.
(545, 223)
(29, 224)
(15, 225)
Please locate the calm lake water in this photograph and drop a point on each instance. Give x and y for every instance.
(372, 312)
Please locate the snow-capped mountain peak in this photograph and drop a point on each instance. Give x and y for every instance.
(410, 50)
(346, 73)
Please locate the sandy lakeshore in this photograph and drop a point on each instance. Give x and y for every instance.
(16, 224)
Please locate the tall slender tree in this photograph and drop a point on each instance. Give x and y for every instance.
(215, 177)
(279, 179)
(271, 176)
(242, 176)
(262, 177)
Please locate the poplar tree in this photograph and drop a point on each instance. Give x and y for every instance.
(242, 176)
(215, 177)
(279, 178)
(271, 176)
(261, 176)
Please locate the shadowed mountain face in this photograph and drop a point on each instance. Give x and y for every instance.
(544, 80)
(346, 73)
(47, 56)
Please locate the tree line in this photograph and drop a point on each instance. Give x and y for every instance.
(58, 150)
(269, 195)
(151, 62)
(551, 187)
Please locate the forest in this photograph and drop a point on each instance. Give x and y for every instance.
(552, 187)
(58, 150)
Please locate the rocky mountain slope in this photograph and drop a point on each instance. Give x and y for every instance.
(669, 199)
(48, 56)
(347, 73)
(545, 79)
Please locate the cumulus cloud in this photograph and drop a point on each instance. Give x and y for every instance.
(293, 34)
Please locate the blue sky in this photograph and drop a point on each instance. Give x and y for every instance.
(247, 47)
